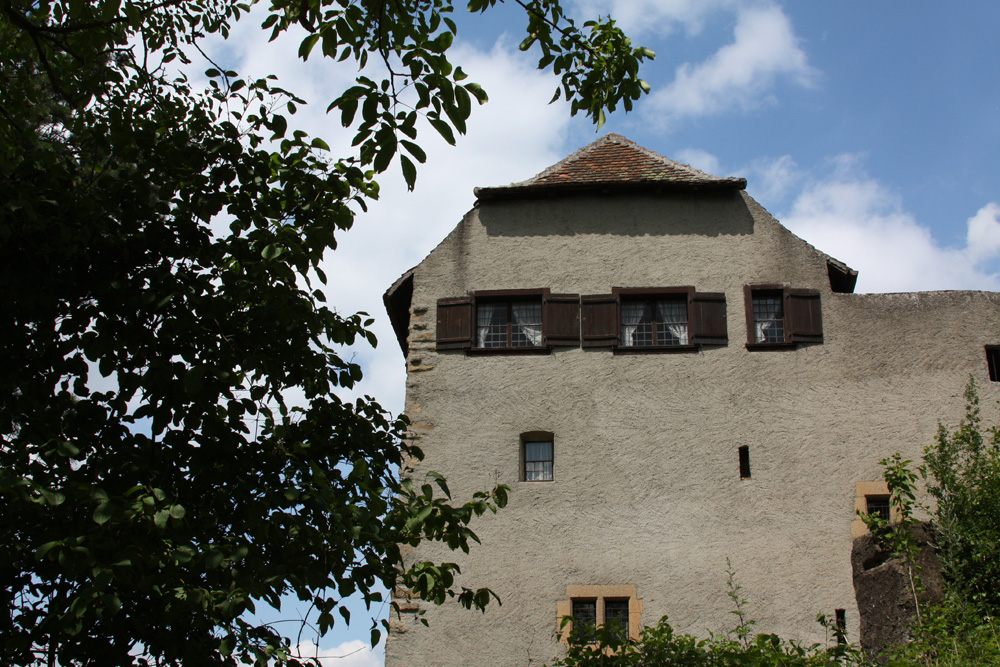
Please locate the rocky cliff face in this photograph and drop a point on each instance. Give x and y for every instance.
(883, 590)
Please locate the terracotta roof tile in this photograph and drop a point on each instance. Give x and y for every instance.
(613, 162)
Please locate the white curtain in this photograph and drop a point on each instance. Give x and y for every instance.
(631, 316)
(673, 316)
(491, 324)
(768, 320)
(527, 318)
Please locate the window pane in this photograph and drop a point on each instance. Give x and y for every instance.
(616, 614)
(879, 505)
(537, 461)
(491, 325)
(637, 324)
(768, 319)
(585, 613)
(671, 318)
(527, 320)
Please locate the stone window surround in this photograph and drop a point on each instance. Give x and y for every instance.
(600, 593)
(862, 491)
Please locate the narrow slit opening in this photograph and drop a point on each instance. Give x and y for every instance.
(744, 462)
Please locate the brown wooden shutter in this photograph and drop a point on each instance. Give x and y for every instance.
(561, 319)
(599, 320)
(707, 318)
(803, 316)
(454, 323)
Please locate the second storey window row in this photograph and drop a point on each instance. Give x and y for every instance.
(628, 320)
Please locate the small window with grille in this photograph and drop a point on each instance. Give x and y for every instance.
(654, 322)
(538, 460)
(509, 323)
(879, 506)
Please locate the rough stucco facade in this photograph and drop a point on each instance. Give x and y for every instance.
(646, 491)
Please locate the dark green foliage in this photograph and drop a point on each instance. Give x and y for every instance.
(963, 473)
(172, 452)
(661, 646)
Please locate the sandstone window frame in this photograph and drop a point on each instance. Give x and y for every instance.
(601, 595)
(458, 329)
(801, 315)
(601, 321)
(530, 437)
(863, 492)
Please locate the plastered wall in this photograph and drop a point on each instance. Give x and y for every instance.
(647, 491)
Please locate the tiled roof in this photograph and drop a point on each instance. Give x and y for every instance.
(613, 163)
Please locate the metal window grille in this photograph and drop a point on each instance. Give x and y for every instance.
(769, 319)
(616, 615)
(879, 505)
(585, 612)
(537, 461)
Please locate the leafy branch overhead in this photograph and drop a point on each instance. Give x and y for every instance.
(173, 450)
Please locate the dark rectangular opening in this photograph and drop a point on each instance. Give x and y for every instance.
(879, 505)
(841, 617)
(744, 462)
(993, 362)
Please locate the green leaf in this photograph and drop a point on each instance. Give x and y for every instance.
(443, 129)
(102, 513)
(409, 171)
(177, 511)
(307, 45)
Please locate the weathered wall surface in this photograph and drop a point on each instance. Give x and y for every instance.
(647, 489)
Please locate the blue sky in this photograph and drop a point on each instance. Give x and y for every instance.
(871, 129)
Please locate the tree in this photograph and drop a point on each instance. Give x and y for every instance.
(173, 451)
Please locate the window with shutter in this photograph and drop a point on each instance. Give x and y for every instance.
(653, 319)
(779, 316)
(508, 321)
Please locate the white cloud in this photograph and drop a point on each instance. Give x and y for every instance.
(772, 179)
(655, 17)
(354, 653)
(859, 221)
(740, 74)
(699, 159)
(983, 238)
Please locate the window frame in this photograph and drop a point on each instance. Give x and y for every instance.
(802, 315)
(537, 436)
(602, 595)
(457, 321)
(650, 295)
(601, 321)
(508, 298)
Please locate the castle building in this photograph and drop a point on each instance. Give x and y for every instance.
(666, 378)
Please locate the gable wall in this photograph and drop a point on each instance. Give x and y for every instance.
(647, 490)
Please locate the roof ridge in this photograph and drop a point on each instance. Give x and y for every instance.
(614, 161)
